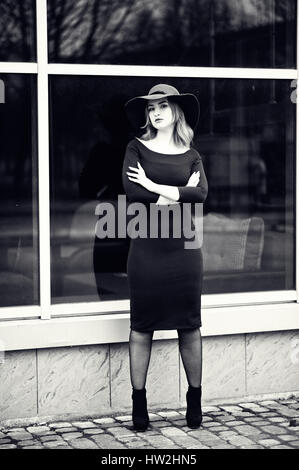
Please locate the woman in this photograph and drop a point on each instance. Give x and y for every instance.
(165, 278)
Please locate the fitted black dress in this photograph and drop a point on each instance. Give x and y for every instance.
(164, 277)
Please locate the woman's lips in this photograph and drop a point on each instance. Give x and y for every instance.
(158, 120)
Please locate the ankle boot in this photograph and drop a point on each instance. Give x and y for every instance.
(193, 414)
(140, 416)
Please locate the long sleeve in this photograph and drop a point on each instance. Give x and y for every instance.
(195, 193)
(134, 191)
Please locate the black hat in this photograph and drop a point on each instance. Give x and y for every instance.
(189, 104)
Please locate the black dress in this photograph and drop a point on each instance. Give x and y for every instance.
(164, 277)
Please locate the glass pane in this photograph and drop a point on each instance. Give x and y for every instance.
(247, 142)
(18, 189)
(17, 26)
(239, 33)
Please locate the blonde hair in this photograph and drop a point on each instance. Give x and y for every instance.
(182, 132)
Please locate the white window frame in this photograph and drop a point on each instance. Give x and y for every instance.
(49, 325)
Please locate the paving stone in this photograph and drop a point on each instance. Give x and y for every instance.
(211, 424)
(5, 441)
(156, 417)
(224, 446)
(231, 408)
(8, 446)
(295, 443)
(83, 444)
(226, 434)
(247, 430)
(70, 429)
(269, 403)
(105, 441)
(171, 432)
(120, 431)
(20, 435)
(104, 421)
(54, 444)
(71, 435)
(269, 442)
(26, 443)
(209, 439)
(208, 409)
(226, 418)
(284, 411)
(15, 429)
(206, 418)
(124, 418)
(136, 445)
(186, 442)
(268, 415)
(169, 414)
(134, 438)
(37, 429)
(281, 446)
(257, 421)
(218, 429)
(253, 406)
(60, 424)
(35, 446)
(287, 437)
(179, 422)
(51, 438)
(116, 424)
(84, 424)
(278, 419)
(160, 424)
(234, 423)
(271, 429)
(240, 441)
(93, 431)
(159, 442)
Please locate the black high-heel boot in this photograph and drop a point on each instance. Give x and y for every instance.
(140, 416)
(193, 413)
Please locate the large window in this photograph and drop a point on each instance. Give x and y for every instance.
(66, 70)
(247, 141)
(231, 33)
(18, 202)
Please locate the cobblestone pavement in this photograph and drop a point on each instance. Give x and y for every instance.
(271, 424)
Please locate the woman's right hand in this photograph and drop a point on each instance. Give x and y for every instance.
(194, 179)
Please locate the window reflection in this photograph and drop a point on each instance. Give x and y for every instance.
(240, 33)
(18, 188)
(248, 149)
(17, 26)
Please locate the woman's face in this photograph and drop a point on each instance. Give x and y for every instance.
(160, 113)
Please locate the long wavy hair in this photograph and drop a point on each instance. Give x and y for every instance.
(182, 132)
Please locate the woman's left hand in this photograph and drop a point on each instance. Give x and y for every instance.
(140, 177)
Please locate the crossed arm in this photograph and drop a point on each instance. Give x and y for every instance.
(144, 189)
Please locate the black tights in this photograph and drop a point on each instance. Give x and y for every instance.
(190, 346)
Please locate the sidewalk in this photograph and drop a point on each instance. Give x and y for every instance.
(272, 424)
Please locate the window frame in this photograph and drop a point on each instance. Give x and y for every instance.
(108, 321)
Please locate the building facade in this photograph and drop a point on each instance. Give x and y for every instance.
(66, 70)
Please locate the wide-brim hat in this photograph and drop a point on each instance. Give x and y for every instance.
(135, 107)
